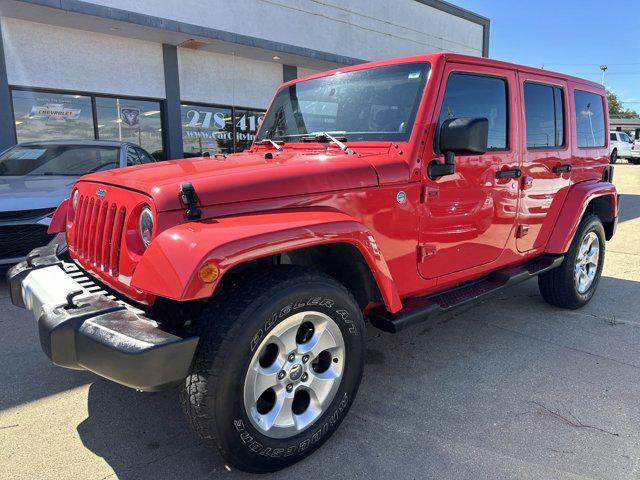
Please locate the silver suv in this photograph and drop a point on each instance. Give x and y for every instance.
(36, 177)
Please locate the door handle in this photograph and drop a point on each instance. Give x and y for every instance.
(515, 173)
(561, 168)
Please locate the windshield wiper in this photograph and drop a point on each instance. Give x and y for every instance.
(320, 135)
(267, 141)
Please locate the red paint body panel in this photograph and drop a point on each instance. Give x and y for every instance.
(249, 176)
(577, 200)
(541, 203)
(59, 218)
(313, 193)
(465, 219)
(95, 232)
(170, 265)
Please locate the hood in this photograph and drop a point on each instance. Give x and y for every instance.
(33, 192)
(244, 176)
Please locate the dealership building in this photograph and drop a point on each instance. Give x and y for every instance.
(184, 77)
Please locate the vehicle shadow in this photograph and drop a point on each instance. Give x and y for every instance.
(468, 383)
(143, 435)
(629, 207)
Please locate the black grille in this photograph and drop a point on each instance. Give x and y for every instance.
(26, 214)
(19, 240)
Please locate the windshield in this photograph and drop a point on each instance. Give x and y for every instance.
(70, 160)
(377, 103)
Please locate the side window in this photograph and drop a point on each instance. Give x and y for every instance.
(469, 95)
(612, 136)
(544, 112)
(132, 157)
(144, 156)
(590, 128)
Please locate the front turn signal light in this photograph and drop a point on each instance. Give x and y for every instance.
(209, 272)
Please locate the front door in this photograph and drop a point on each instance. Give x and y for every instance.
(468, 216)
(546, 166)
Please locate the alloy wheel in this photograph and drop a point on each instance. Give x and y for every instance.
(294, 374)
(586, 265)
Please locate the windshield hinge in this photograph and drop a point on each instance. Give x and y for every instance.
(190, 199)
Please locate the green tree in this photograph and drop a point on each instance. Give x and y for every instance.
(616, 108)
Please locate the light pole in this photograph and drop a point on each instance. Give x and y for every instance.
(604, 69)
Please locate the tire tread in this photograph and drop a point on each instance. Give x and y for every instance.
(217, 329)
(557, 286)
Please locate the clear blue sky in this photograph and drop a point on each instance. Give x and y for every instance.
(570, 36)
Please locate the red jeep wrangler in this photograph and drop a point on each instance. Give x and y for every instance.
(391, 192)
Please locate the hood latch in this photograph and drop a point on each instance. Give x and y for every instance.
(190, 199)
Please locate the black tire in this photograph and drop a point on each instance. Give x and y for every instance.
(231, 329)
(634, 161)
(614, 156)
(558, 286)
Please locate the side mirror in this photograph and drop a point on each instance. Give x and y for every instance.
(464, 136)
(459, 136)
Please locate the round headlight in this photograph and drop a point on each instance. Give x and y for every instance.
(74, 199)
(145, 225)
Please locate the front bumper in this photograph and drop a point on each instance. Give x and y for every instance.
(82, 327)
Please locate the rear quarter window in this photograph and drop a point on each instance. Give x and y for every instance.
(590, 127)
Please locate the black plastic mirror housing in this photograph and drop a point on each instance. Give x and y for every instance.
(464, 136)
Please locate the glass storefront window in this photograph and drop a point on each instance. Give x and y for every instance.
(131, 120)
(247, 123)
(206, 129)
(51, 116)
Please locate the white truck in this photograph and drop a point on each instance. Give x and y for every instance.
(621, 145)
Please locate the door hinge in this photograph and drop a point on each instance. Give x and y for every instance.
(429, 193)
(426, 251)
(527, 182)
(522, 230)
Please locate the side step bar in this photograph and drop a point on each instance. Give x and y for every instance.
(419, 310)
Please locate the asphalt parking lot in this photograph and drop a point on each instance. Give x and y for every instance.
(511, 388)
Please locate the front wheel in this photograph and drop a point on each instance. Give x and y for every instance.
(278, 366)
(574, 282)
(614, 156)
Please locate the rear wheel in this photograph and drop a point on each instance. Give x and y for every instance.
(278, 366)
(614, 156)
(574, 282)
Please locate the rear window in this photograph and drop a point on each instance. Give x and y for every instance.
(544, 110)
(590, 127)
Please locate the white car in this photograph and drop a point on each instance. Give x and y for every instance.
(622, 146)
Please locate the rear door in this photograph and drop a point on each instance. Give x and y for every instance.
(546, 165)
(469, 216)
